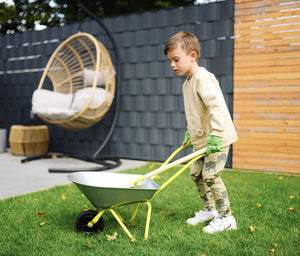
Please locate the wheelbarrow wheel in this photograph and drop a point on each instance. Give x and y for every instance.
(84, 218)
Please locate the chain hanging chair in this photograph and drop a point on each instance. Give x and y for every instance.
(78, 84)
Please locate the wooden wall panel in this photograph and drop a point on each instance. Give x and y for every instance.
(266, 106)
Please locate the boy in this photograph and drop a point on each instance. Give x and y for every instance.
(208, 125)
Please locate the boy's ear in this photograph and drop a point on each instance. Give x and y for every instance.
(194, 54)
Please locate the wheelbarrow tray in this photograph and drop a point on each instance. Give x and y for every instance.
(106, 190)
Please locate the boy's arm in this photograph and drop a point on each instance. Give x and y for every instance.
(214, 102)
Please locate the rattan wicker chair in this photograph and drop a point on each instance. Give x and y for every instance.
(78, 84)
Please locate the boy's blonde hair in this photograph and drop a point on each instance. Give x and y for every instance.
(187, 40)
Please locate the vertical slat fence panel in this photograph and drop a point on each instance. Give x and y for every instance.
(267, 85)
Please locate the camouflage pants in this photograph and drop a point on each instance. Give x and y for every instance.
(206, 175)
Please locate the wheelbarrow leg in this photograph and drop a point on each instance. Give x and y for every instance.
(132, 239)
(148, 220)
(120, 217)
(135, 212)
(95, 220)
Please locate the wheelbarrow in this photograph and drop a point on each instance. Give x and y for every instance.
(107, 191)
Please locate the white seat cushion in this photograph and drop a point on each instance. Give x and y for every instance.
(82, 96)
(55, 113)
(52, 105)
(59, 106)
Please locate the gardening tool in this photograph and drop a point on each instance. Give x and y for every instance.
(168, 166)
(107, 191)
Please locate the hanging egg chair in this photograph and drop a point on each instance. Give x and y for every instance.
(78, 84)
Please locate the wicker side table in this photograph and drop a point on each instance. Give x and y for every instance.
(29, 140)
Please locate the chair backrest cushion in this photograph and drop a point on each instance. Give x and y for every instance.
(89, 76)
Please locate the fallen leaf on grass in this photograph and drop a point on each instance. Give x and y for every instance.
(258, 205)
(111, 238)
(89, 243)
(18, 201)
(151, 166)
(169, 214)
(292, 210)
(43, 223)
(41, 213)
(63, 197)
(292, 197)
(157, 177)
(252, 229)
(275, 244)
(280, 178)
(272, 251)
(133, 225)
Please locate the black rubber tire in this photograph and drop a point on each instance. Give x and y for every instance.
(84, 218)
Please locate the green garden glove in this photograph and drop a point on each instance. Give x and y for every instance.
(214, 144)
(186, 139)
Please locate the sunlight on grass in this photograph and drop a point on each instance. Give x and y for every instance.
(266, 208)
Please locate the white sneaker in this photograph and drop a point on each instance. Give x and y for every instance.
(220, 224)
(202, 216)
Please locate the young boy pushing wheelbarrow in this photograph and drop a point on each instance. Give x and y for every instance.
(208, 125)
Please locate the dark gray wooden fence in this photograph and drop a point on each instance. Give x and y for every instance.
(151, 121)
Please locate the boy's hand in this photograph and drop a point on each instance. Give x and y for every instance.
(186, 139)
(214, 144)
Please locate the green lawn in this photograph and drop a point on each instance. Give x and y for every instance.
(267, 202)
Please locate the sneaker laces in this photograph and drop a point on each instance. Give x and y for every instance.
(216, 221)
(200, 213)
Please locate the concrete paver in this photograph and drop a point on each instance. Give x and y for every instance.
(19, 178)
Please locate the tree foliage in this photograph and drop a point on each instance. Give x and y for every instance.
(25, 14)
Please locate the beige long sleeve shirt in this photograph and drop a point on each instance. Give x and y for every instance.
(206, 110)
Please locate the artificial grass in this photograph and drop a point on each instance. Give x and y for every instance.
(266, 208)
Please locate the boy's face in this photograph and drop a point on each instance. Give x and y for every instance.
(181, 62)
